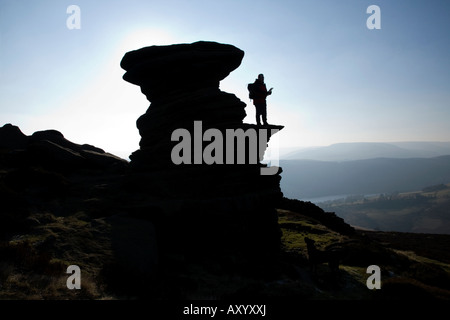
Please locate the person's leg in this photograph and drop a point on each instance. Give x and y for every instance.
(258, 114)
(264, 113)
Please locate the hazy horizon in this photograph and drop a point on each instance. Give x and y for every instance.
(335, 80)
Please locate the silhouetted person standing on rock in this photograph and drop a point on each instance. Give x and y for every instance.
(260, 94)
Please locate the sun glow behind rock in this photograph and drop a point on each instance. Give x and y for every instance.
(105, 113)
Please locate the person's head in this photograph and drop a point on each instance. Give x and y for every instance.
(261, 77)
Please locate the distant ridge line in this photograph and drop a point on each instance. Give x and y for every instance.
(348, 151)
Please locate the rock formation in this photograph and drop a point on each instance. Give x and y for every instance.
(50, 149)
(223, 206)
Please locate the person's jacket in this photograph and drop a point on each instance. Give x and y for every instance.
(260, 93)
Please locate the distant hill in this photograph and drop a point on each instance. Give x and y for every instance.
(306, 179)
(424, 211)
(368, 150)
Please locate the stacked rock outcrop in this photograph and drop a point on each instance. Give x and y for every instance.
(225, 204)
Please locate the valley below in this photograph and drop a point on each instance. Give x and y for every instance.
(383, 194)
(425, 211)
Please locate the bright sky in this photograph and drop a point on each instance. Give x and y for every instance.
(334, 79)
